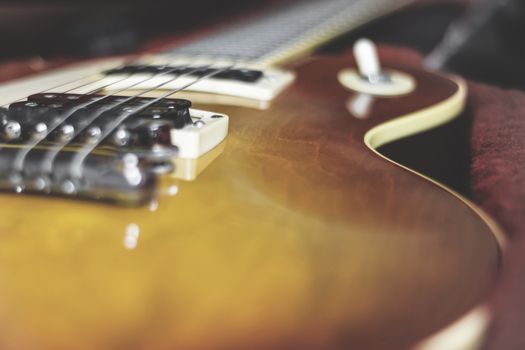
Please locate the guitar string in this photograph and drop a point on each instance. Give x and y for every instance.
(137, 59)
(22, 154)
(130, 75)
(75, 88)
(47, 164)
(76, 167)
(91, 92)
(53, 89)
(122, 65)
(101, 88)
(20, 167)
(126, 63)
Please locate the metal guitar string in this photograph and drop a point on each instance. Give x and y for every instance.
(54, 88)
(47, 164)
(21, 155)
(75, 88)
(76, 168)
(93, 82)
(16, 174)
(130, 75)
(72, 89)
(90, 82)
(124, 64)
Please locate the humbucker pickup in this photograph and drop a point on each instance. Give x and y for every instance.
(244, 75)
(100, 147)
(261, 84)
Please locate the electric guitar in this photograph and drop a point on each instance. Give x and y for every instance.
(224, 194)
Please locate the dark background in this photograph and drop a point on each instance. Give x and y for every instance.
(493, 52)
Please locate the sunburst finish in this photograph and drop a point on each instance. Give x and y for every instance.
(297, 236)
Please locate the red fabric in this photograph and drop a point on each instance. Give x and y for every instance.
(498, 186)
(498, 154)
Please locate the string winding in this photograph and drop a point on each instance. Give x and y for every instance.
(76, 165)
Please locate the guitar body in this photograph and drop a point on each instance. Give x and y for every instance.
(296, 235)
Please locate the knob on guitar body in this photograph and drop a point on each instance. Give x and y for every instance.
(297, 236)
(268, 224)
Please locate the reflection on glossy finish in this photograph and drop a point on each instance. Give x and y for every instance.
(465, 334)
(360, 105)
(296, 237)
(131, 236)
(153, 205)
(172, 190)
(189, 169)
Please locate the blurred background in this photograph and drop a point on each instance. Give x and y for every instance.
(479, 39)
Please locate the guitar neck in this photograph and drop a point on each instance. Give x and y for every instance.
(272, 38)
(287, 32)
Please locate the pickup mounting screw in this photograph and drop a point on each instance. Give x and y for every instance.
(93, 134)
(121, 137)
(199, 124)
(66, 133)
(68, 187)
(41, 183)
(12, 130)
(39, 131)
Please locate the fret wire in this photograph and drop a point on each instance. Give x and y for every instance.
(286, 29)
(47, 165)
(22, 154)
(76, 167)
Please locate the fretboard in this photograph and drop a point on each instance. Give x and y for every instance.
(288, 31)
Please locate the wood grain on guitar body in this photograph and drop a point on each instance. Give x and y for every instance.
(257, 216)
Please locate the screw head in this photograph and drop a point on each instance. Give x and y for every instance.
(130, 160)
(66, 133)
(199, 124)
(39, 130)
(12, 130)
(121, 137)
(93, 134)
(17, 181)
(41, 183)
(68, 187)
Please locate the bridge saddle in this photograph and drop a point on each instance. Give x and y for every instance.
(74, 145)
